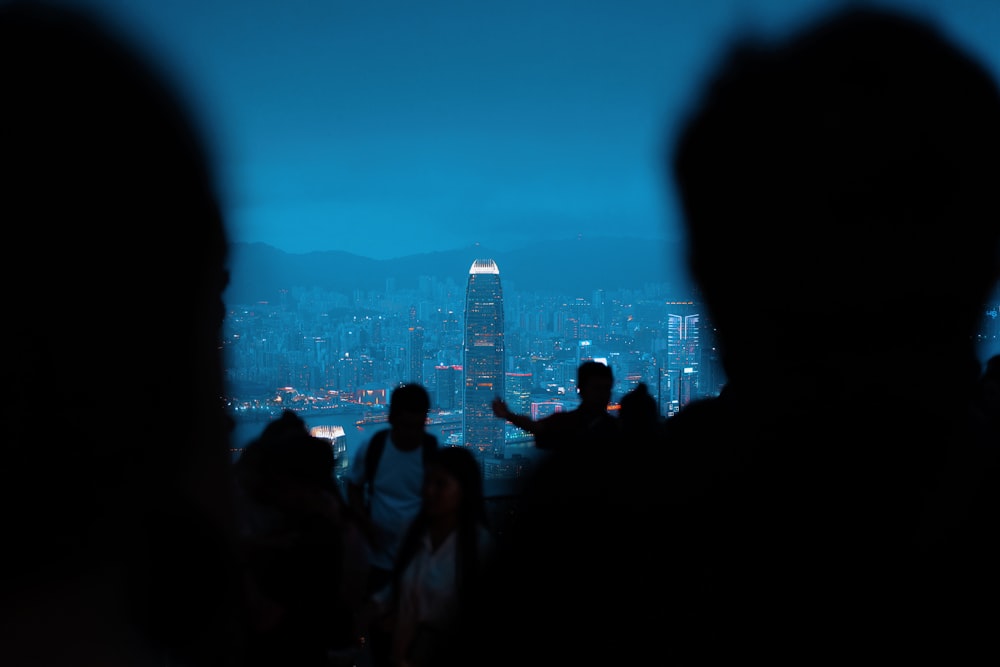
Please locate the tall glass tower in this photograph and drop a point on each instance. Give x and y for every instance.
(683, 353)
(483, 359)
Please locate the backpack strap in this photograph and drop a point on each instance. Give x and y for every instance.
(374, 453)
(377, 446)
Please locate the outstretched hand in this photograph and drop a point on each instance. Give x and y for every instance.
(500, 408)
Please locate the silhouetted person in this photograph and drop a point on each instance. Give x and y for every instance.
(116, 502)
(639, 415)
(833, 185)
(587, 421)
(437, 569)
(838, 501)
(558, 554)
(305, 557)
(386, 490)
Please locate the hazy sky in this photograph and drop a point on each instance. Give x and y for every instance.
(392, 127)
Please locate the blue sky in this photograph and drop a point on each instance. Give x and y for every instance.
(387, 128)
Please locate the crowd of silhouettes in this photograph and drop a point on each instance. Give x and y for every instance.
(314, 590)
(837, 501)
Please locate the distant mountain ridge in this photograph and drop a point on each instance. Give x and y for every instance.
(578, 266)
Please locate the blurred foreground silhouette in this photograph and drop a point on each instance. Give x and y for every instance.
(117, 507)
(839, 500)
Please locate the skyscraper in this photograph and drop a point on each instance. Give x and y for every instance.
(415, 354)
(483, 358)
(447, 379)
(682, 356)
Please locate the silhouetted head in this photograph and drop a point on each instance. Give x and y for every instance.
(408, 408)
(285, 448)
(837, 182)
(639, 413)
(595, 382)
(304, 460)
(453, 482)
(287, 424)
(108, 190)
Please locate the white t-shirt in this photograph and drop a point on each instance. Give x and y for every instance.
(395, 499)
(427, 589)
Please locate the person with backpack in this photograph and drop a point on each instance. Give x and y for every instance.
(384, 487)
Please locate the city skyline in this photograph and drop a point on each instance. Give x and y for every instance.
(335, 357)
(311, 328)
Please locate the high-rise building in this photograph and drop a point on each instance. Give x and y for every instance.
(415, 354)
(448, 378)
(683, 353)
(483, 360)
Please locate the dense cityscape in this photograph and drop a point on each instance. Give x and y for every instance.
(467, 340)
(323, 351)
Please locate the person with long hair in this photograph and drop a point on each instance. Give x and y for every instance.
(439, 561)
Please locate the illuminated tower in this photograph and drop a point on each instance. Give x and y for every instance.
(682, 357)
(483, 358)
